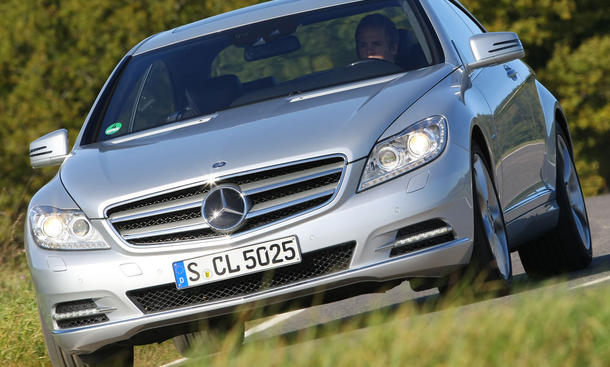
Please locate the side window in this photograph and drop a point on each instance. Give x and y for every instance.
(459, 32)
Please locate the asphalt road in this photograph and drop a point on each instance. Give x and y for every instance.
(597, 273)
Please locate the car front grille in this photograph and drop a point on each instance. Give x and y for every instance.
(314, 264)
(275, 194)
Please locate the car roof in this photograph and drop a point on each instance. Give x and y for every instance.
(232, 19)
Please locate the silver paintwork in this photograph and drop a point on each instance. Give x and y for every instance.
(49, 150)
(186, 160)
(495, 48)
(346, 120)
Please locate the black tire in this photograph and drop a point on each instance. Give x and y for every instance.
(114, 356)
(211, 338)
(567, 247)
(490, 268)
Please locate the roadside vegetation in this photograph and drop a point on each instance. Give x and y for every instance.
(21, 340)
(542, 328)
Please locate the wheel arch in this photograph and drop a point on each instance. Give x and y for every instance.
(562, 123)
(477, 137)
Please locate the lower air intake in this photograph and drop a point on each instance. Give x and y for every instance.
(314, 264)
(421, 236)
(67, 314)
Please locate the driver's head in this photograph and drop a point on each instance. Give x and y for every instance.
(377, 38)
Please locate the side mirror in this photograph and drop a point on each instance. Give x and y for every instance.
(494, 48)
(49, 150)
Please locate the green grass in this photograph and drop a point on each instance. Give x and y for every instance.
(544, 327)
(540, 328)
(21, 341)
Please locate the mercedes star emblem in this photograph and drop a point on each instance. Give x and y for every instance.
(224, 208)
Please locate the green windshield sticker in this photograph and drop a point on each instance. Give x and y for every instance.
(114, 128)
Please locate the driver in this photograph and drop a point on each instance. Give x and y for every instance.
(377, 38)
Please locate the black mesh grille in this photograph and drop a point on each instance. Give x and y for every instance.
(284, 213)
(159, 219)
(418, 228)
(202, 234)
(82, 321)
(313, 264)
(294, 189)
(172, 196)
(83, 304)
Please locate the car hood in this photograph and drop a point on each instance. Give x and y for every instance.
(347, 120)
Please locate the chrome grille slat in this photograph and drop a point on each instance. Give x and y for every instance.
(291, 200)
(289, 179)
(168, 228)
(157, 209)
(275, 194)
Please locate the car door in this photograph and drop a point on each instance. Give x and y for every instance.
(518, 143)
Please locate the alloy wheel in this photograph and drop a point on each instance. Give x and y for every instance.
(574, 194)
(491, 215)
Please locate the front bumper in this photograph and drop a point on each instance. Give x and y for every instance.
(371, 219)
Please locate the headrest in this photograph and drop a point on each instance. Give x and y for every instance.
(410, 56)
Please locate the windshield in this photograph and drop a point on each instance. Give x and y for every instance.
(279, 57)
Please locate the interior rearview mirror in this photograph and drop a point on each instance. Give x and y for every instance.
(49, 150)
(494, 48)
(278, 46)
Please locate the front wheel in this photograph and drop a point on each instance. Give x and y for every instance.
(490, 268)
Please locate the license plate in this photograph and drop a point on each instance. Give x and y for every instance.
(237, 262)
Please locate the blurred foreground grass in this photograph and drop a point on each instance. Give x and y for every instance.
(21, 341)
(546, 327)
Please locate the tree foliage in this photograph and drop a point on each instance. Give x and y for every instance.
(567, 42)
(56, 54)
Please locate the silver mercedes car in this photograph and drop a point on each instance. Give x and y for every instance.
(297, 150)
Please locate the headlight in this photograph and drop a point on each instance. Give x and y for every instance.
(410, 149)
(58, 229)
